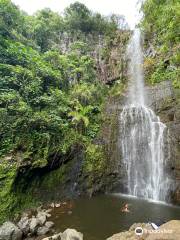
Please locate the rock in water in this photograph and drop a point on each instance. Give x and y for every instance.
(41, 216)
(48, 211)
(57, 205)
(9, 231)
(23, 224)
(49, 224)
(71, 234)
(42, 231)
(54, 237)
(34, 224)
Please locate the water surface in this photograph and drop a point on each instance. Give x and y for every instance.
(100, 217)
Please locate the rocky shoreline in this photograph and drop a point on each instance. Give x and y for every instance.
(34, 224)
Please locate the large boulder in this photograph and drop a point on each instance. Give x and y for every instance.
(71, 234)
(123, 236)
(68, 234)
(142, 228)
(9, 231)
(167, 231)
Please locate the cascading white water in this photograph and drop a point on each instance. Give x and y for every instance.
(142, 135)
(136, 76)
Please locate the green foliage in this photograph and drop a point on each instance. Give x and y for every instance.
(79, 116)
(43, 95)
(47, 27)
(79, 18)
(161, 27)
(94, 158)
(117, 89)
(10, 18)
(50, 96)
(7, 174)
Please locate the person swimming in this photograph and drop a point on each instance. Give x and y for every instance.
(125, 208)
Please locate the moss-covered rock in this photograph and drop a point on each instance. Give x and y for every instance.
(8, 171)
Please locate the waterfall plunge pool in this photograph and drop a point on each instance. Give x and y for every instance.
(100, 217)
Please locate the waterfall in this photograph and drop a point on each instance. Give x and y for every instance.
(135, 70)
(142, 135)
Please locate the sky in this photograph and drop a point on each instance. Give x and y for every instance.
(128, 8)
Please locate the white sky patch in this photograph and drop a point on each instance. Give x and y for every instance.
(128, 8)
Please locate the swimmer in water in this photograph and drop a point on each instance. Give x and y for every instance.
(125, 208)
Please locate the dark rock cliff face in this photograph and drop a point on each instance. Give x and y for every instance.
(108, 53)
(167, 106)
(163, 99)
(110, 136)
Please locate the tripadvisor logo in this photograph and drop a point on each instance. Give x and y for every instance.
(139, 231)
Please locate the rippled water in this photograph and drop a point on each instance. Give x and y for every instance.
(100, 217)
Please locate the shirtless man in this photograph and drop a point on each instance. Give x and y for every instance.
(125, 208)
